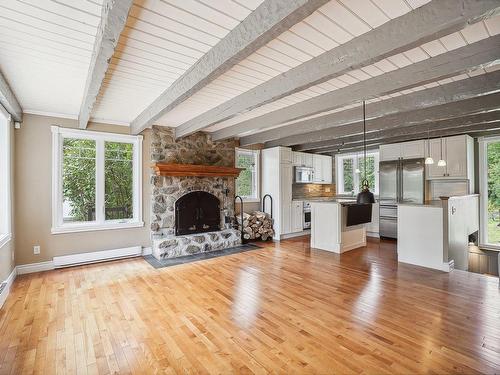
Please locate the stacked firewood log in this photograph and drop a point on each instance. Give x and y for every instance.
(257, 225)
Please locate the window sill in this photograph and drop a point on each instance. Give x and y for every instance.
(95, 227)
(5, 238)
(489, 247)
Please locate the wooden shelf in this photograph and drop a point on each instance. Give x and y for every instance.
(179, 170)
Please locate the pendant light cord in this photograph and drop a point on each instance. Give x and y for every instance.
(364, 138)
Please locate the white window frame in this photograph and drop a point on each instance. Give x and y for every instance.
(5, 177)
(357, 177)
(256, 181)
(58, 226)
(483, 192)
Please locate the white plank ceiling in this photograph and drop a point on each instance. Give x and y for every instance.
(45, 50)
(46, 45)
(161, 40)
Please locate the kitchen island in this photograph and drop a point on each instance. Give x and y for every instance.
(329, 227)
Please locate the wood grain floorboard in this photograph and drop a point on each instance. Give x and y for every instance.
(283, 308)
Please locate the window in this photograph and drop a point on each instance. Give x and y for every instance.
(96, 180)
(350, 172)
(489, 180)
(5, 178)
(247, 184)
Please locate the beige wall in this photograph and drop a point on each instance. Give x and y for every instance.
(33, 165)
(7, 251)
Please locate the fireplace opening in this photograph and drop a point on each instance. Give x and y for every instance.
(197, 212)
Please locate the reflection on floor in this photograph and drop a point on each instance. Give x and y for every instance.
(283, 308)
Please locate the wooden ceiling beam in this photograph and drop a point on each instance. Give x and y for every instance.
(460, 125)
(475, 130)
(9, 101)
(399, 122)
(302, 131)
(268, 21)
(429, 22)
(113, 18)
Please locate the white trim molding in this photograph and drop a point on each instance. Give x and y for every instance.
(7, 284)
(483, 193)
(100, 222)
(255, 197)
(68, 116)
(5, 239)
(6, 175)
(35, 267)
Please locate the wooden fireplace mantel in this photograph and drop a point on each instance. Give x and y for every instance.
(165, 169)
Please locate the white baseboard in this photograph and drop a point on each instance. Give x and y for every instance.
(147, 251)
(7, 285)
(35, 267)
(305, 232)
(96, 256)
(449, 266)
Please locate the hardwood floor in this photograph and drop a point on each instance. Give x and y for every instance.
(283, 308)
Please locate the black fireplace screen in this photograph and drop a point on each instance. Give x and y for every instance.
(197, 212)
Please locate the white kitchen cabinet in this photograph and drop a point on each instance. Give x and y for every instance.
(286, 179)
(456, 156)
(390, 152)
(302, 159)
(322, 165)
(413, 149)
(433, 171)
(307, 159)
(458, 152)
(404, 150)
(296, 158)
(327, 170)
(285, 154)
(318, 169)
(297, 216)
(277, 178)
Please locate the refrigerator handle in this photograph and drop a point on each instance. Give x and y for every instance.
(397, 181)
(401, 187)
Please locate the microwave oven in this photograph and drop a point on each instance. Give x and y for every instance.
(304, 175)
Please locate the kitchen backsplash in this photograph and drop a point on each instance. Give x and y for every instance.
(312, 190)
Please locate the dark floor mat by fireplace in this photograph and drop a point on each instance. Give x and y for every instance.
(201, 256)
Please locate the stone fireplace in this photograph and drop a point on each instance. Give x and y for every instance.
(184, 216)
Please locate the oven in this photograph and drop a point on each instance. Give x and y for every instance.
(307, 215)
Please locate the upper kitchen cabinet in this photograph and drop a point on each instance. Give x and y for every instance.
(322, 165)
(457, 152)
(405, 150)
(285, 155)
(302, 159)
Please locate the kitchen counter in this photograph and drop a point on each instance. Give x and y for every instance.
(325, 199)
(431, 203)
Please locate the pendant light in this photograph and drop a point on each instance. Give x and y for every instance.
(441, 162)
(365, 195)
(429, 160)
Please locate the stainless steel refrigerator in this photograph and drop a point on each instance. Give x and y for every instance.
(400, 181)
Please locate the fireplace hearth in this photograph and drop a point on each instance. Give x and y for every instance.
(197, 212)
